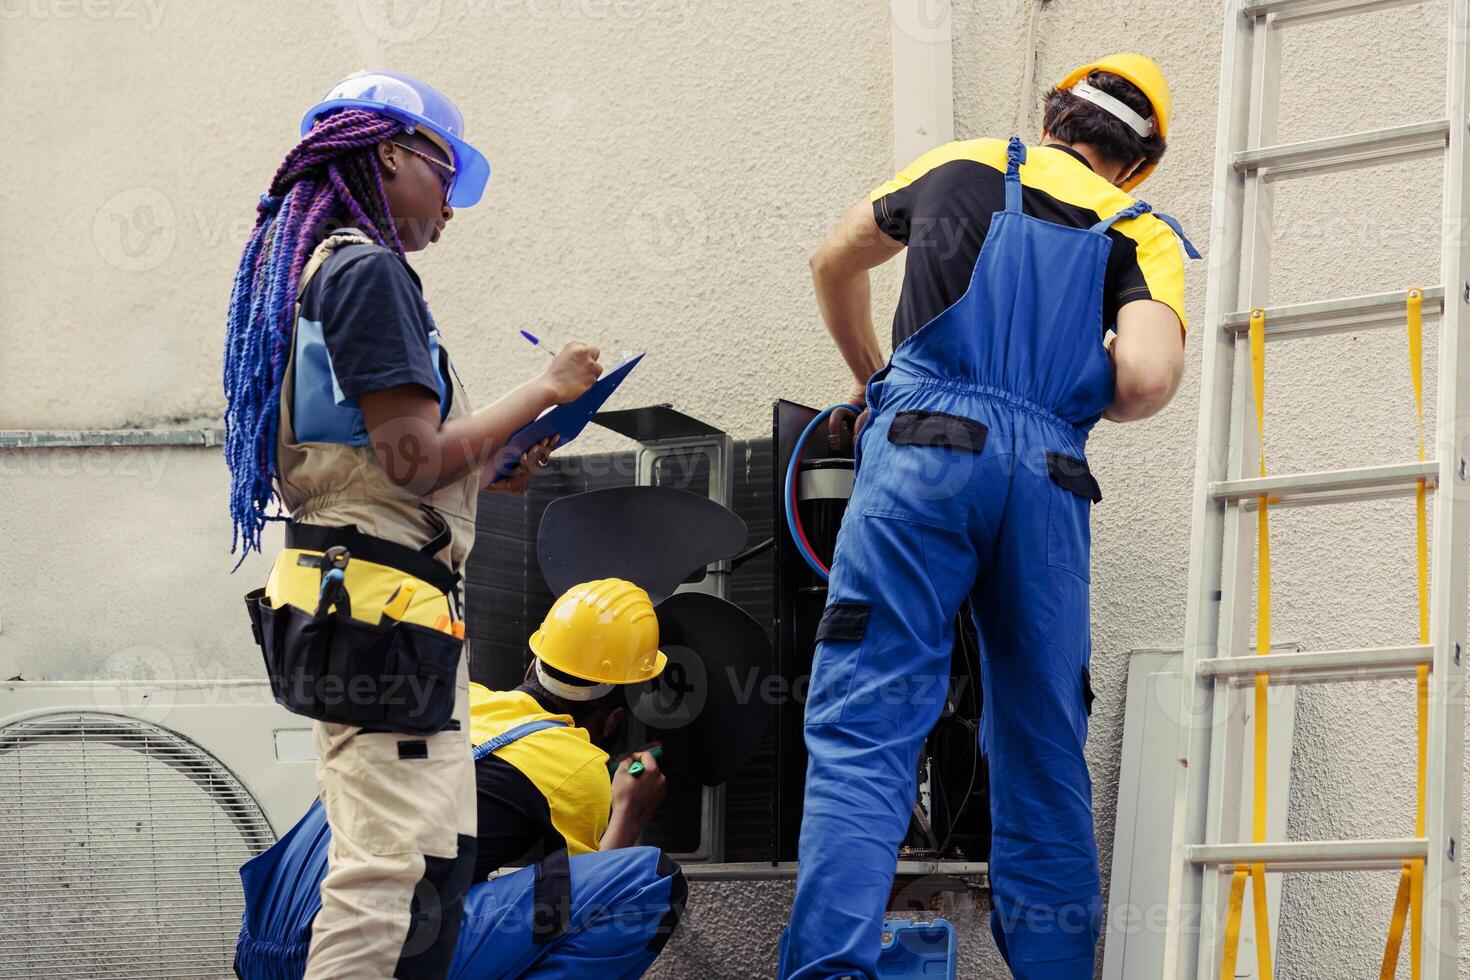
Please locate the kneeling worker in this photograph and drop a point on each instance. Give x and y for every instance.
(594, 905)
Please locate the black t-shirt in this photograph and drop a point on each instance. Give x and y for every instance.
(940, 206)
(514, 819)
(374, 322)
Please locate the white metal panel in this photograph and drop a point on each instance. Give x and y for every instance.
(923, 77)
(1139, 881)
(236, 721)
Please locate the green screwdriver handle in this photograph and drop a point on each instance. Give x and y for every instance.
(637, 767)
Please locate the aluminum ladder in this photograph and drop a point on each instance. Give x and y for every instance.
(1209, 840)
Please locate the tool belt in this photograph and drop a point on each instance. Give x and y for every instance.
(338, 647)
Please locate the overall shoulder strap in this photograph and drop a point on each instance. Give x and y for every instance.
(513, 735)
(1015, 156)
(1141, 207)
(1131, 211)
(330, 244)
(1173, 223)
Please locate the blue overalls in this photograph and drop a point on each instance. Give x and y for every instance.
(600, 916)
(971, 483)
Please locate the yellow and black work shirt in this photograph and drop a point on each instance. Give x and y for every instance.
(940, 207)
(550, 788)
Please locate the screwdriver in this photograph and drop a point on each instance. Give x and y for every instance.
(399, 600)
(638, 767)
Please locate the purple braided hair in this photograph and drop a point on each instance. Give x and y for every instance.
(330, 179)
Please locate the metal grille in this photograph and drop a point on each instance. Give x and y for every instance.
(120, 846)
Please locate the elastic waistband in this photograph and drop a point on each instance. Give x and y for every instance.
(380, 551)
(900, 378)
(263, 958)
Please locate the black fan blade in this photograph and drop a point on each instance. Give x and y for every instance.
(710, 706)
(655, 537)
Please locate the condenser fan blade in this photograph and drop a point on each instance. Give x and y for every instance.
(655, 537)
(712, 704)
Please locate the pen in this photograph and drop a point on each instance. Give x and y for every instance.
(537, 341)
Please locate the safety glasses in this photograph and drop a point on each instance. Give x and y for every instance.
(446, 171)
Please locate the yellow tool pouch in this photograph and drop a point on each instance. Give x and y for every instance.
(331, 653)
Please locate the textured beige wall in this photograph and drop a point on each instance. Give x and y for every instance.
(662, 168)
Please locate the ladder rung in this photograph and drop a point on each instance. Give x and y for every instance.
(1336, 315)
(1345, 152)
(1328, 486)
(1324, 855)
(1290, 10)
(1321, 665)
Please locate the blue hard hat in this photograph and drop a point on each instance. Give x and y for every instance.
(418, 104)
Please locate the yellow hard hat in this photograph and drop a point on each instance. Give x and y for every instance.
(604, 631)
(1144, 73)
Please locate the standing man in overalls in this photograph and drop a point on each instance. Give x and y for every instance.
(972, 484)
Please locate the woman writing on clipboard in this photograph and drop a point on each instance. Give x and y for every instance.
(342, 404)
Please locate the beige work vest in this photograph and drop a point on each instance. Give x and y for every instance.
(336, 484)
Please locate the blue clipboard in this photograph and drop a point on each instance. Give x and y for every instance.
(566, 421)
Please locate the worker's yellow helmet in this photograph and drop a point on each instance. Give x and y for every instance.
(1148, 77)
(604, 631)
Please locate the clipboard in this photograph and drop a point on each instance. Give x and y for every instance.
(566, 421)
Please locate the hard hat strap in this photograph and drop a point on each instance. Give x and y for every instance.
(572, 692)
(1107, 103)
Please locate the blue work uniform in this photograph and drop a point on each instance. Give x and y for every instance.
(972, 482)
(604, 915)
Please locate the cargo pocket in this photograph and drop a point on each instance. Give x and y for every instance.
(334, 668)
(395, 794)
(1068, 522)
(843, 622)
(1072, 473)
(930, 463)
(939, 430)
(839, 633)
(423, 664)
